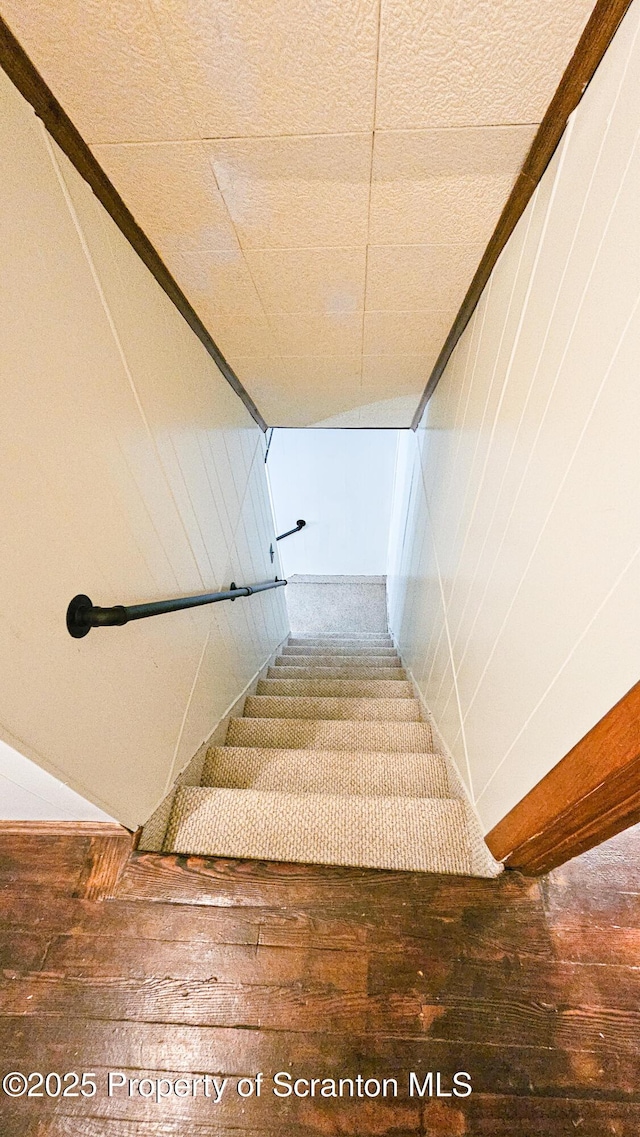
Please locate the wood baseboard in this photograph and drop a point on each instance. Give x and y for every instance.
(592, 794)
(65, 828)
(108, 848)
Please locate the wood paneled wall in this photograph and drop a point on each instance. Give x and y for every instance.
(514, 592)
(131, 471)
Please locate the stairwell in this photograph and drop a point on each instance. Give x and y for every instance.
(332, 763)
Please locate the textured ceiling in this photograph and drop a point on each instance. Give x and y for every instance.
(321, 176)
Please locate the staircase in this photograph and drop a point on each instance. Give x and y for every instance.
(332, 763)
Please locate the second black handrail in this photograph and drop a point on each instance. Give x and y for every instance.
(83, 614)
(299, 525)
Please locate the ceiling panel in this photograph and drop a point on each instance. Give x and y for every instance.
(107, 64)
(295, 192)
(387, 376)
(267, 377)
(328, 372)
(472, 64)
(443, 185)
(284, 390)
(238, 334)
(285, 67)
(172, 192)
(328, 281)
(420, 277)
(405, 333)
(327, 259)
(312, 333)
(215, 282)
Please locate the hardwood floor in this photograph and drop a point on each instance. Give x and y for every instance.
(229, 968)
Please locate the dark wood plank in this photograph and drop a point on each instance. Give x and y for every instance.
(493, 1115)
(610, 946)
(490, 1116)
(501, 1020)
(520, 1069)
(214, 881)
(473, 933)
(599, 889)
(87, 957)
(106, 860)
(556, 985)
(489, 932)
(159, 999)
(22, 951)
(594, 41)
(31, 862)
(19, 68)
(504, 1022)
(590, 795)
(208, 965)
(61, 1126)
(480, 1113)
(394, 1115)
(130, 920)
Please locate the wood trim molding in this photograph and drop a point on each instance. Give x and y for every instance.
(592, 794)
(64, 828)
(592, 45)
(16, 63)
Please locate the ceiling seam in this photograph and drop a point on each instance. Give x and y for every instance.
(246, 262)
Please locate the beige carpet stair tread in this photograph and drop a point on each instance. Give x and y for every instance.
(332, 764)
(291, 706)
(322, 734)
(354, 688)
(352, 649)
(420, 834)
(338, 661)
(396, 674)
(372, 774)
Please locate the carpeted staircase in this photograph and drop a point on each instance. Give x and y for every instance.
(332, 763)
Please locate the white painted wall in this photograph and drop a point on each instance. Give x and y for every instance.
(515, 578)
(130, 471)
(340, 482)
(28, 793)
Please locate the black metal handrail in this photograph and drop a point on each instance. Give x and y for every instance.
(299, 525)
(83, 615)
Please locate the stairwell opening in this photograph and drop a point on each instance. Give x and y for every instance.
(333, 757)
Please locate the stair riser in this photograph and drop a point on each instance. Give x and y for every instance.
(395, 674)
(288, 707)
(307, 734)
(309, 649)
(354, 688)
(332, 772)
(297, 641)
(337, 661)
(364, 636)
